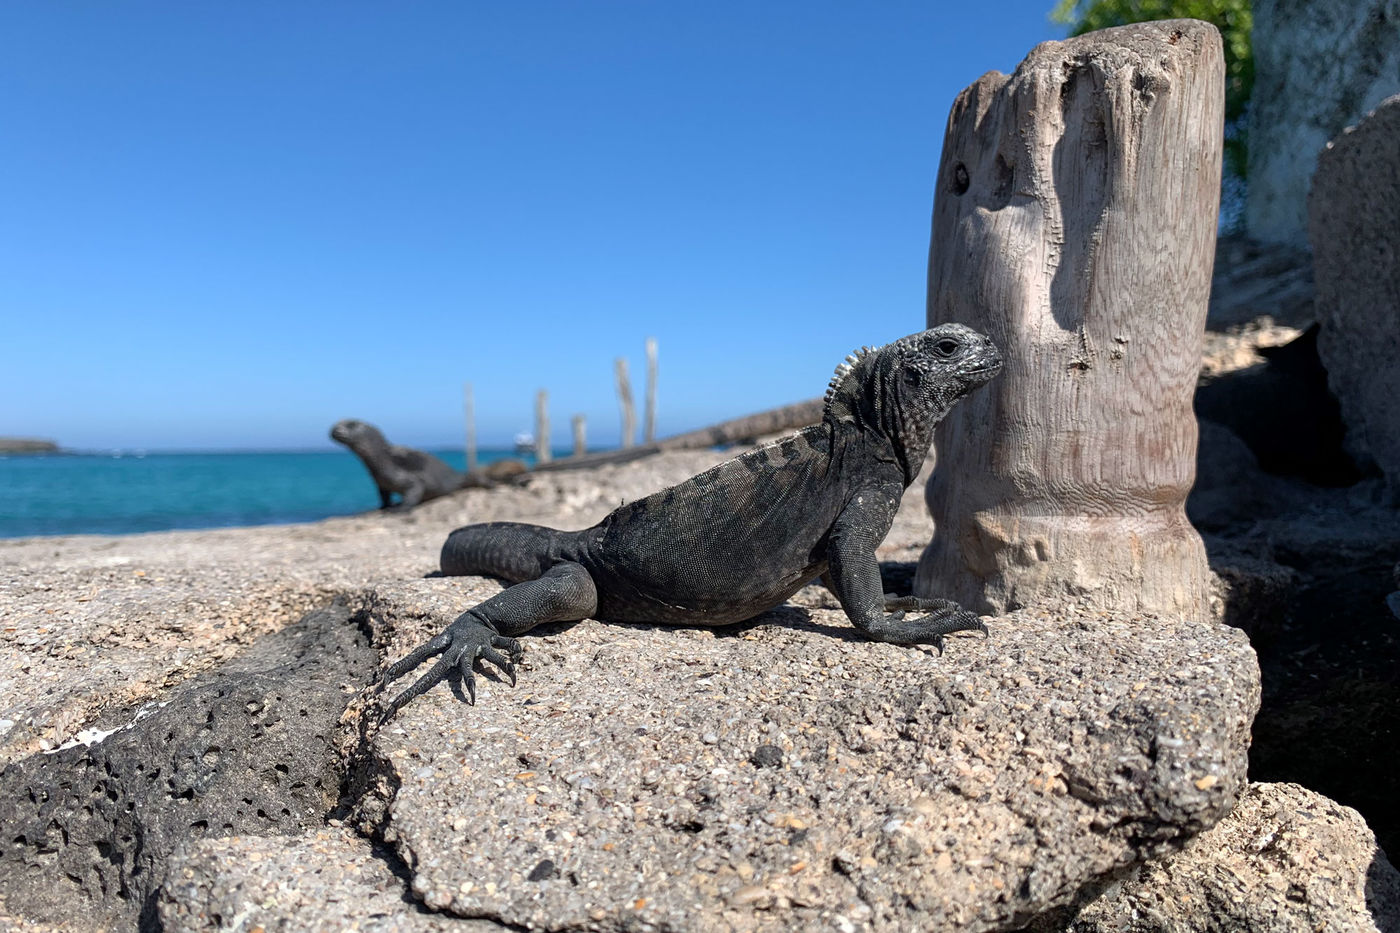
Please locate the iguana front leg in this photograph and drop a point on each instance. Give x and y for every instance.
(412, 493)
(563, 593)
(855, 577)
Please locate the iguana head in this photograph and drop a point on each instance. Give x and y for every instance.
(357, 435)
(905, 388)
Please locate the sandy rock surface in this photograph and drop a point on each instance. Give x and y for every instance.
(327, 881)
(92, 622)
(1286, 859)
(787, 773)
(247, 749)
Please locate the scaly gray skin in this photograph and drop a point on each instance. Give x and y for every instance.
(414, 475)
(740, 538)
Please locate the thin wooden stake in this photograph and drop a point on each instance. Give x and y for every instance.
(542, 451)
(469, 404)
(580, 435)
(649, 418)
(624, 398)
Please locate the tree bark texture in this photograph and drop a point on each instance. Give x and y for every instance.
(1074, 221)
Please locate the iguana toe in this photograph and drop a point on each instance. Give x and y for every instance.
(487, 653)
(464, 667)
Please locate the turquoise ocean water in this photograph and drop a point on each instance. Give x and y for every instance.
(95, 493)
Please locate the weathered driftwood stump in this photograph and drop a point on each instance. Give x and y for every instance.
(1075, 221)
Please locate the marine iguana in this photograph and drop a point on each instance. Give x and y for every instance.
(415, 475)
(739, 538)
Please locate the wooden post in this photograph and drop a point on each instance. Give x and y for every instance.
(542, 451)
(649, 416)
(470, 405)
(624, 398)
(1074, 221)
(580, 435)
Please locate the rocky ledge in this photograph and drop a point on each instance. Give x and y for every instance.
(790, 773)
(190, 747)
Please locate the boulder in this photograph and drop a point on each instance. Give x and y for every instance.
(1331, 698)
(1319, 65)
(1241, 346)
(1286, 859)
(1229, 484)
(789, 774)
(1354, 222)
(246, 749)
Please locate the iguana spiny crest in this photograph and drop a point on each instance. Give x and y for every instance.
(903, 389)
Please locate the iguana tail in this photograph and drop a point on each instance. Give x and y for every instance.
(510, 550)
(472, 480)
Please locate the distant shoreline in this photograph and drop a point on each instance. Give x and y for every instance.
(27, 445)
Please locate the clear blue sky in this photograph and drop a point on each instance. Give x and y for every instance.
(231, 224)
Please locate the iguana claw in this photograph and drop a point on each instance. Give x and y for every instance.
(464, 643)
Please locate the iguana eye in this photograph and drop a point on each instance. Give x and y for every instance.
(946, 347)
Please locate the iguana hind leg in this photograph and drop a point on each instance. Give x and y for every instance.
(512, 551)
(564, 593)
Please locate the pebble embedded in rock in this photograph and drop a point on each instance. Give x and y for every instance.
(546, 870)
(767, 756)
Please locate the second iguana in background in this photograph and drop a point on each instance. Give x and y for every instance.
(741, 537)
(414, 475)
